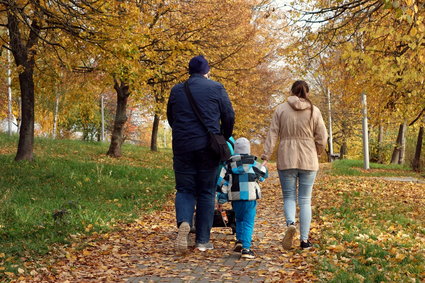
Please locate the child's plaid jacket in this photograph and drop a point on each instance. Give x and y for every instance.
(240, 176)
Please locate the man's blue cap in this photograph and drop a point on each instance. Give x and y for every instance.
(198, 65)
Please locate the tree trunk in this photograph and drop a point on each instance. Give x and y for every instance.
(380, 143)
(26, 133)
(403, 144)
(343, 150)
(99, 129)
(9, 93)
(328, 151)
(55, 116)
(417, 159)
(123, 93)
(159, 100)
(165, 136)
(154, 137)
(396, 152)
(102, 113)
(19, 119)
(381, 134)
(24, 55)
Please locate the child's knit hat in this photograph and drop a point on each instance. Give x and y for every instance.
(242, 146)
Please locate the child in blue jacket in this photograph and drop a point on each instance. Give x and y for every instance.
(238, 182)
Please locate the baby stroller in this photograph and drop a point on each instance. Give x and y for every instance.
(225, 218)
(222, 218)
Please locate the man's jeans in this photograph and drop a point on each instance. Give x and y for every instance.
(196, 174)
(288, 180)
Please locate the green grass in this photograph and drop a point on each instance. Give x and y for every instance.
(381, 233)
(346, 167)
(72, 187)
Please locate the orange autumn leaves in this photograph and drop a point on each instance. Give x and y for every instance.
(363, 228)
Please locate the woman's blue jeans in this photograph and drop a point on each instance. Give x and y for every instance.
(305, 180)
(196, 174)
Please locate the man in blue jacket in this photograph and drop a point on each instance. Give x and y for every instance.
(195, 166)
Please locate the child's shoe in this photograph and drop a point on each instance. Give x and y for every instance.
(289, 236)
(306, 245)
(238, 247)
(247, 253)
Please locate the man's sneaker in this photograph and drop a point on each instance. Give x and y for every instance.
(238, 247)
(306, 245)
(204, 247)
(247, 253)
(181, 242)
(289, 236)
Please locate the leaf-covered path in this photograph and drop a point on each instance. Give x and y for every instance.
(364, 228)
(144, 251)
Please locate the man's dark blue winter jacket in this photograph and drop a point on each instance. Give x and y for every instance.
(214, 105)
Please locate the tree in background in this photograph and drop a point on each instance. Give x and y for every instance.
(381, 49)
(31, 26)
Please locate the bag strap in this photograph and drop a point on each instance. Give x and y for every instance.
(195, 107)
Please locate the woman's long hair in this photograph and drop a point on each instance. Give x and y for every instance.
(301, 89)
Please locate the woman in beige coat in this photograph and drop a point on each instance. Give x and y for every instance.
(299, 127)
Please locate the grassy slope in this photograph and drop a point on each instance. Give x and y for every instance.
(372, 230)
(347, 167)
(72, 187)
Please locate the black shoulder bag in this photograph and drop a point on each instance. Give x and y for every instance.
(217, 143)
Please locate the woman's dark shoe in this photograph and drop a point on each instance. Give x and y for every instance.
(306, 245)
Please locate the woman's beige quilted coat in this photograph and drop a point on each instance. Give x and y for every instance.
(300, 138)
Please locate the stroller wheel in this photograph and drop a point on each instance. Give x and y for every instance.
(233, 229)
